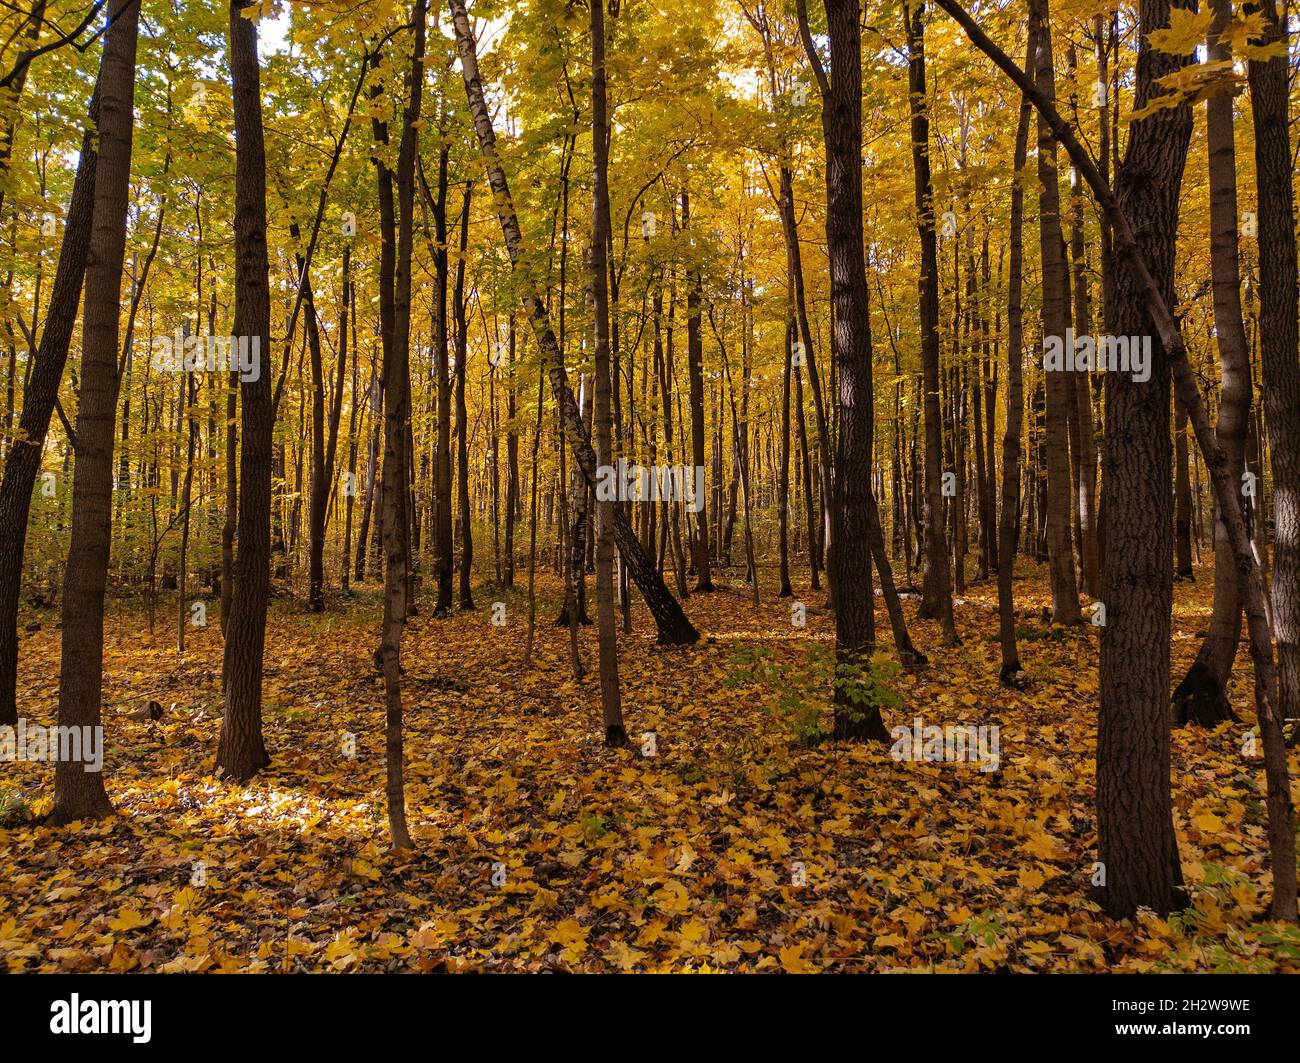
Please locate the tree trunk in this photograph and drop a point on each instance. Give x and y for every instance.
(23, 459)
(1278, 292)
(1011, 673)
(850, 560)
(1059, 383)
(78, 792)
(936, 599)
(466, 591)
(606, 619)
(1202, 696)
(241, 752)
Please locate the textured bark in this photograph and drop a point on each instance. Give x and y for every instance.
(673, 626)
(395, 518)
(465, 590)
(324, 434)
(242, 752)
(854, 507)
(1136, 841)
(695, 381)
(1086, 458)
(78, 793)
(443, 563)
(1182, 499)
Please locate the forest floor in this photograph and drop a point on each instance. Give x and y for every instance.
(538, 848)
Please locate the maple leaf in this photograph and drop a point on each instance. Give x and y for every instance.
(1185, 32)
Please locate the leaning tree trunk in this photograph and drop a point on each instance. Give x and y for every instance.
(242, 752)
(23, 459)
(79, 792)
(673, 626)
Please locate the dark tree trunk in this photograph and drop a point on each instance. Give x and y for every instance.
(23, 459)
(242, 752)
(1059, 384)
(1278, 293)
(854, 509)
(466, 590)
(606, 621)
(78, 792)
(1012, 673)
(695, 375)
(936, 600)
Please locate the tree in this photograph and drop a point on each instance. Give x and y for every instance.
(1059, 385)
(610, 699)
(23, 458)
(1279, 298)
(242, 751)
(936, 599)
(850, 559)
(1201, 696)
(79, 793)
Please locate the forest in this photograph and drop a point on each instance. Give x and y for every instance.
(637, 486)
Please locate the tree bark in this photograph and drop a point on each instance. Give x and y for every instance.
(242, 752)
(79, 793)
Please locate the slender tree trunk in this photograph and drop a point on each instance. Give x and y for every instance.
(606, 619)
(936, 599)
(695, 377)
(466, 591)
(78, 792)
(1012, 673)
(1202, 697)
(1279, 291)
(397, 386)
(22, 461)
(1059, 384)
(241, 753)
